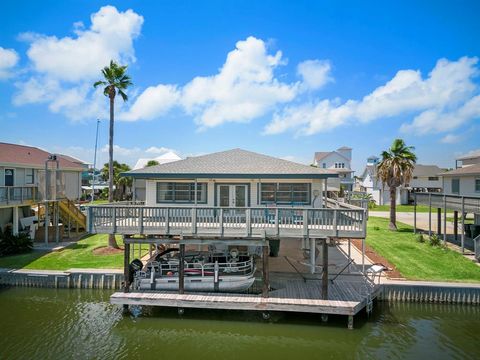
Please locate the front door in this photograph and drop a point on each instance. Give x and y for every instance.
(9, 176)
(232, 195)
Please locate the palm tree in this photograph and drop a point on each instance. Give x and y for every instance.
(121, 182)
(394, 170)
(115, 80)
(152, 163)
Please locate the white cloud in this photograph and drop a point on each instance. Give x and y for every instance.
(443, 101)
(315, 73)
(451, 139)
(8, 60)
(63, 69)
(244, 88)
(74, 59)
(158, 150)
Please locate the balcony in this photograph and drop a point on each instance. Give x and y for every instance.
(253, 222)
(18, 195)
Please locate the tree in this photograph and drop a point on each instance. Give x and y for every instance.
(115, 80)
(152, 163)
(121, 182)
(396, 169)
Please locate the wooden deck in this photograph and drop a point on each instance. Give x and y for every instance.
(216, 221)
(345, 298)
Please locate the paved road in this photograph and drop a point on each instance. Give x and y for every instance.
(422, 220)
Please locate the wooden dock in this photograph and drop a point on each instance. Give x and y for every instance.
(345, 298)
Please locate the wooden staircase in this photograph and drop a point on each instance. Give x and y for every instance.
(70, 214)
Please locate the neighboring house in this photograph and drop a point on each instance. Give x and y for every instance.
(465, 180)
(339, 161)
(425, 178)
(22, 181)
(233, 178)
(139, 187)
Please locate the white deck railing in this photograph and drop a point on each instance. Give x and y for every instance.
(217, 221)
(18, 194)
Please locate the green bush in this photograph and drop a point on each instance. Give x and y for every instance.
(14, 244)
(420, 238)
(435, 240)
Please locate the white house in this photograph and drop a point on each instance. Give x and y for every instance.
(339, 161)
(465, 179)
(425, 178)
(233, 178)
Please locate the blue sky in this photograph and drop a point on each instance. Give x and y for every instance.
(282, 78)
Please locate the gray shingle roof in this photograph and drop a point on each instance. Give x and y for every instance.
(236, 163)
(426, 170)
(466, 170)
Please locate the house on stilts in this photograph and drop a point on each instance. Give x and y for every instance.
(210, 223)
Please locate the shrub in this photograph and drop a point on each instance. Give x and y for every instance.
(420, 238)
(435, 240)
(14, 244)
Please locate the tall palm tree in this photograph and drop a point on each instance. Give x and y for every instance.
(121, 182)
(115, 81)
(395, 170)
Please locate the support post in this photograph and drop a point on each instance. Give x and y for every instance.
(444, 219)
(266, 279)
(363, 256)
(455, 224)
(312, 255)
(429, 215)
(414, 213)
(181, 270)
(56, 216)
(47, 221)
(350, 322)
(15, 221)
(349, 253)
(325, 269)
(439, 221)
(463, 224)
(126, 266)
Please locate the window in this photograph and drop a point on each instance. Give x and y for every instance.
(170, 192)
(415, 177)
(477, 185)
(29, 176)
(433, 178)
(339, 165)
(456, 186)
(284, 193)
(9, 177)
(324, 165)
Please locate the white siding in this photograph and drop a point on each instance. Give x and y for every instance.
(467, 185)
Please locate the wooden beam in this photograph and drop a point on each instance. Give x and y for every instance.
(126, 267)
(266, 280)
(325, 270)
(181, 270)
(455, 224)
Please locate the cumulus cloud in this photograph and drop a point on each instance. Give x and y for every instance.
(158, 150)
(245, 87)
(315, 73)
(451, 139)
(63, 69)
(443, 101)
(8, 60)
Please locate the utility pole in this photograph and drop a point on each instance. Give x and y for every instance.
(95, 162)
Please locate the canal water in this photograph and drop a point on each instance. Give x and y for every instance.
(81, 324)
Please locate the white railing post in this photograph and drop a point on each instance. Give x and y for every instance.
(194, 220)
(305, 222)
(248, 215)
(140, 221)
(221, 221)
(335, 222)
(277, 222)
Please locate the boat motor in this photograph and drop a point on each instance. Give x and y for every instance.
(135, 265)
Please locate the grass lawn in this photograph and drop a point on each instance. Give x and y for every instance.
(418, 261)
(96, 202)
(403, 208)
(79, 255)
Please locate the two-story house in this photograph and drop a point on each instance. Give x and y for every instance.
(340, 162)
(465, 179)
(22, 181)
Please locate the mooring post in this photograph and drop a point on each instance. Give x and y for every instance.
(181, 270)
(266, 279)
(312, 255)
(350, 322)
(325, 269)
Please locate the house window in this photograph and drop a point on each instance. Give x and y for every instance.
(283, 193)
(29, 176)
(456, 186)
(477, 185)
(339, 165)
(324, 165)
(9, 177)
(171, 192)
(433, 178)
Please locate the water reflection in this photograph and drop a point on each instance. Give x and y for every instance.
(81, 324)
